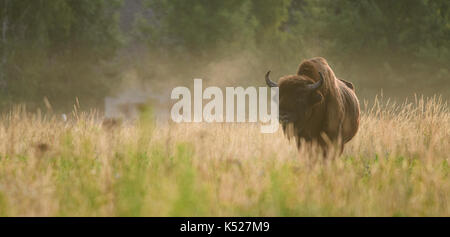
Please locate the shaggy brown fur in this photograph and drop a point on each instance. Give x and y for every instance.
(329, 115)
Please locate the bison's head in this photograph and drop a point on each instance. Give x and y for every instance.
(298, 95)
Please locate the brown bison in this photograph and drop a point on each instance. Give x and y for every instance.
(315, 106)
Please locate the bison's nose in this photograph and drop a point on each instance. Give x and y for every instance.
(284, 118)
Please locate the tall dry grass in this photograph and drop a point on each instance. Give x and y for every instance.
(397, 165)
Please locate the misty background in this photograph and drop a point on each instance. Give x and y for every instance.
(61, 50)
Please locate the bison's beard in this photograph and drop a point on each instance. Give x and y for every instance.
(289, 129)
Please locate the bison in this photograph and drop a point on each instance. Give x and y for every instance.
(316, 107)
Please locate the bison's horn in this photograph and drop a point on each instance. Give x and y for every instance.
(269, 82)
(316, 85)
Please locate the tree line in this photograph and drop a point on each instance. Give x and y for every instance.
(67, 48)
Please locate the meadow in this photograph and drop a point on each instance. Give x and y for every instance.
(397, 165)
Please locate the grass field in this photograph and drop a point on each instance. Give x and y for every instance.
(397, 165)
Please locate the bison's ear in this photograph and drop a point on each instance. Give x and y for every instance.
(315, 98)
(348, 84)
